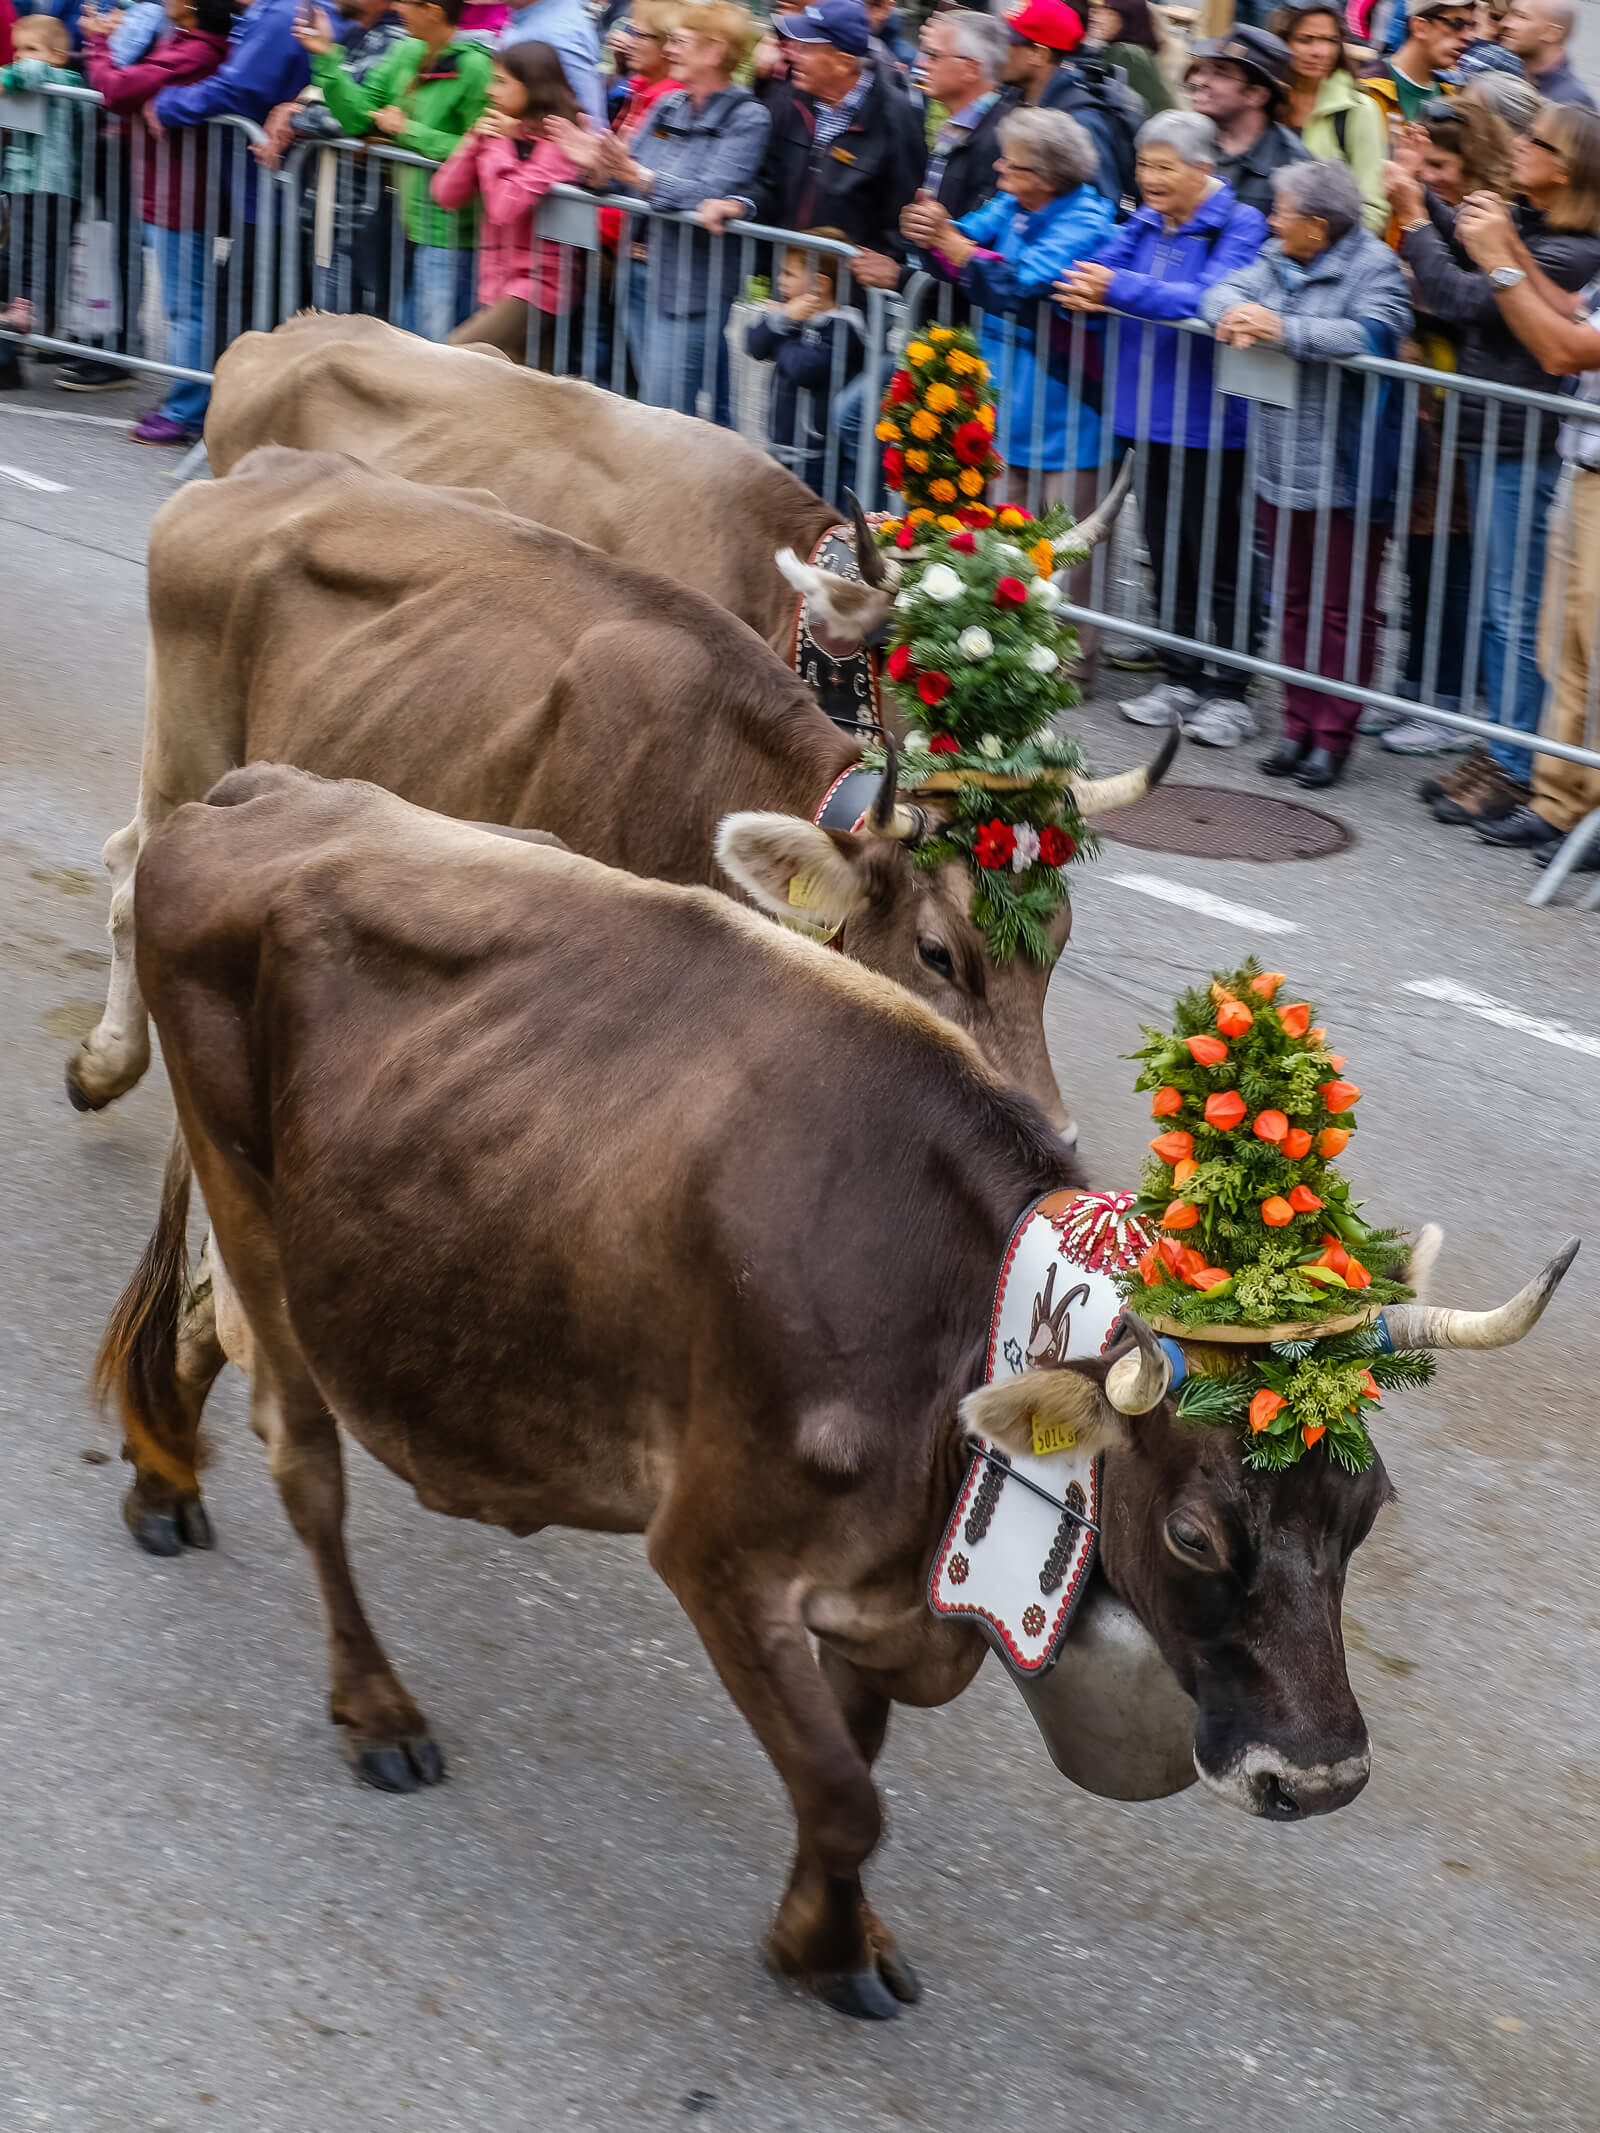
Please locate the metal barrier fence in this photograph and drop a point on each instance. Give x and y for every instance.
(1402, 569)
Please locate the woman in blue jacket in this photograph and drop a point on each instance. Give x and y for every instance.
(1189, 232)
(1007, 255)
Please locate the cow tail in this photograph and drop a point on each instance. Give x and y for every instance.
(136, 1369)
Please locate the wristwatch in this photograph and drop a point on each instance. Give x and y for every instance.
(1506, 277)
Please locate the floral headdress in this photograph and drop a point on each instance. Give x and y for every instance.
(1256, 1231)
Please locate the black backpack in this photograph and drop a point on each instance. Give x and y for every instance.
(1083, 87)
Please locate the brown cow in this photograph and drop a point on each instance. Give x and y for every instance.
(309, 610)
(662, 490)
(524, 1174)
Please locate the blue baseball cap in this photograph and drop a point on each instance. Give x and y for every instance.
(841, 23)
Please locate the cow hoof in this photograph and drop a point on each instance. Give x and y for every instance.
(167, 1528)
(92, 1084)
(75, 1091)
(194, 1524)
(396, 1766)
(899, 1976)
(861, 1993)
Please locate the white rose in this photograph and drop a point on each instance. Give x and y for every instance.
(1026, 850)
(940, 582)
(905, 600)
(992, 746)
(1045, 593)
(1008, 553)
(915, 739)
(975, 643)
(1042, 659)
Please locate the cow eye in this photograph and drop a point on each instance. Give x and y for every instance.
(936, 956)
(1190, 1541)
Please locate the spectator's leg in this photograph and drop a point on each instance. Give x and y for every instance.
(845, 415)
(1298, 529)
(441, 289)
(1519, 604)
(1332, 719)
(183, 286)
(1223, 546)
(1565, 792)
(503, 325)
(1157, 499)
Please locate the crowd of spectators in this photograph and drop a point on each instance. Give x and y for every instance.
(1413, 179)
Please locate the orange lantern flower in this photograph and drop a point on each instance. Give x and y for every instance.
(1270, 1126)
(1149, 1265)
(1339, 1095)
(1206, 1051)
(1265, 1408)
(1356, 1276)
(1208, 1277)
(1225, 1109)
(1234, 1018)
(1172, 1147)
(1166, 1103)
(1303, 1200)
(1369, 1386)
(1171, 1251)
(1189, 1263)
(1296, 1018)
(1267, 983)
(1332, 1141)
(1275, 1212)
(1312, 1431)
(1184, 1170)
(1335, 1257)
(1180, 1215)
(1296, 1143)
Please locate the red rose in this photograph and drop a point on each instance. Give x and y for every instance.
(973, 515)
(969, 393)
(933, 688)
(971, 444)
(1055, 846)
(943, 743)
(962, 543)
(894, 469)
(994, 844)
(1010, 592)
(901, 388)
(905, 538)
(900, 662)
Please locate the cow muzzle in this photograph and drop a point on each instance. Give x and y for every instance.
(1265, 1783)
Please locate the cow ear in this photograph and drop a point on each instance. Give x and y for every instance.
(843, 608)
(790, 868)
(1008, 1412)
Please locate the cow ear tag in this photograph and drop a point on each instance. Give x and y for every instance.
(805, 891)
(1051, 1437)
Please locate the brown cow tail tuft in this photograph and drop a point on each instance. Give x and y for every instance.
(137, 1366)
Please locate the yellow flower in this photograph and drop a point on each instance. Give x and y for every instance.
(919, 352)
(889, 528)
(1012, 517)
(948, 524)
(986, 417)
(971, 481)
(941, 333)
(917, 461)
(961, 363)
(942, 492)
(1044, 557)
(941, 398)
(980, 370)
(924, 425)
(920, 517)
(886, 433)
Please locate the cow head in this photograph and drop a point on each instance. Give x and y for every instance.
(1237, 1575)
(914, 923)
(846, 613)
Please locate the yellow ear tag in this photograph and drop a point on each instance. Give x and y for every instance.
(805, 891)
(1051, 1437)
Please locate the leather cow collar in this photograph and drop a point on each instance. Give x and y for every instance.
(845, 683)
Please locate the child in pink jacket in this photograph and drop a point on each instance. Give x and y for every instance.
(524, 284)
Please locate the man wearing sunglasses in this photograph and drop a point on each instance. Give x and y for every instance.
(1437, 33)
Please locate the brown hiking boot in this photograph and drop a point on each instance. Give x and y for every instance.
(1464, 780)
(1484, 796)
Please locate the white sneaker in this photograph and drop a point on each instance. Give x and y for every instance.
(1420, 736)
(1373, 721)
(1220, 722)
(1164, 705)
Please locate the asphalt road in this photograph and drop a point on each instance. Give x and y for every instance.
(205, 1924)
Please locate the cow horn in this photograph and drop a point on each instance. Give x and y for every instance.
(1429, 1326)
(884, 817)
(1091, 531)
(1098, 796)
(868, 560)
(1135, 1383)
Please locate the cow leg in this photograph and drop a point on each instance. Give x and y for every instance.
(116, 1052)
(163, 1509)
(824, 1935)
(386, 1738)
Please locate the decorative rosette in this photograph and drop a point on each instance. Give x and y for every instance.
(1257, 1228)
(936, 425)
(1104, 1233)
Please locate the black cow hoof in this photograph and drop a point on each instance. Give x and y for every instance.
(860, 1993)
(899, 1976)
(75, 1096)
(396, 1766)
(194, 1524)
(167, 1528)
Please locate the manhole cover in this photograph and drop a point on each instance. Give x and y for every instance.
(1210, 822)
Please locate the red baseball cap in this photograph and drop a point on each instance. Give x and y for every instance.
(1048, 22)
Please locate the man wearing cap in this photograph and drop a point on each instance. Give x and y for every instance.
(1043, 34)
(1240, 83)
(1437, 33)
(847, 149)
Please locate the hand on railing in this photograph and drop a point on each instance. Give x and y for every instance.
(316, 35)
(1084, 289)
(715, 215)
(875, 270)
(391, 120)
(1243, 325)
(269, 152)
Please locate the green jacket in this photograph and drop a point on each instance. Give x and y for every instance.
(442, 106)
(1144, 76)
(42, 162)
(1365, 146)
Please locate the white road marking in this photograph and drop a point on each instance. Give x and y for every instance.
(1504, 1015)
(1201, 900)
(33, 481)
(67, 414)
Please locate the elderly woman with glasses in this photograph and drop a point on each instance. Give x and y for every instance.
(1325, 468)
(1007, 255)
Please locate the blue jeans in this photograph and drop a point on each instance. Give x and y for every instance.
(181, 256)
(441, 293)
(1509, 632)
(846, 416)
(670, 354)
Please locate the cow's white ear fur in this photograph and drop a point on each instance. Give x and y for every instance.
(790, 868)
(843, 606)
(1004, 1413)
(804, 577)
